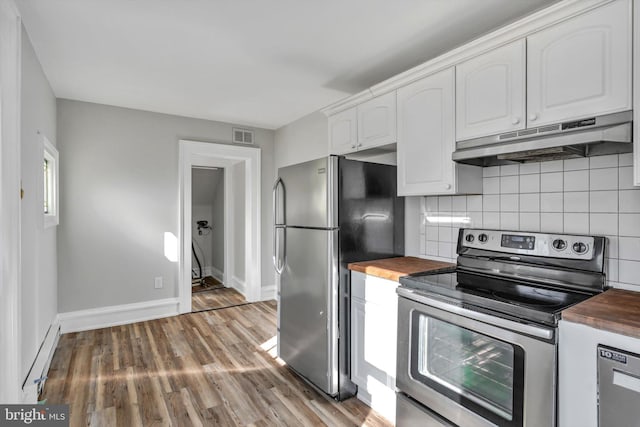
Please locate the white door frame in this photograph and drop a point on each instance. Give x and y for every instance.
(10, 261)
(195, 153)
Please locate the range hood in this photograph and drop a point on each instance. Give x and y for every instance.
(595, 136)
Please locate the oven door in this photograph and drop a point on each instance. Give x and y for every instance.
(471, 368)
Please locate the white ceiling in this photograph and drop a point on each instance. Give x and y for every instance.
(262, 63)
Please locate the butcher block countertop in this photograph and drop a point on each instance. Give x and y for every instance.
(395, 268)
(615, 310)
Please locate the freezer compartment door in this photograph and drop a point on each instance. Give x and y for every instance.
(308, 329)
(307, 194)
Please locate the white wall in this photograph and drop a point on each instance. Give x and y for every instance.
(119, 185)
(207, 200)
(39, 255)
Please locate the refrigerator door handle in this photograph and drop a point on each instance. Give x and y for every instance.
(278, 263)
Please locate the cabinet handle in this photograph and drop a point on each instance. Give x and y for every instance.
(353, 146)
(515, 120)
(447, 186)
(360, 145)
(533, 117)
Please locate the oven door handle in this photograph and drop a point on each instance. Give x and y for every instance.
(535, 331)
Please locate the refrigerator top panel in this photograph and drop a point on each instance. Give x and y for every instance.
(307, 196)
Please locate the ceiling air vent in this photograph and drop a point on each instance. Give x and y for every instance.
(242, 136)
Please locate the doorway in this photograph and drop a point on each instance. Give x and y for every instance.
(239, 269)
(209, 287)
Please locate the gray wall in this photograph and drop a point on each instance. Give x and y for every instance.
(39, 260)
(119, 194)
(305, 139)
(207, 203)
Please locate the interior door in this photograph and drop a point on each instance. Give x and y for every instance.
(308, 306)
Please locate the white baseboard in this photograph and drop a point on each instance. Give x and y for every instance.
(215, 273)
(239, 285)
(36, 378)
(103, 317)
(268, 293)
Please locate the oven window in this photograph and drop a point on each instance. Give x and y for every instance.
(469, 365)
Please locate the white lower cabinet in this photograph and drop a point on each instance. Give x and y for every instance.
(374, 313)
(578, 374)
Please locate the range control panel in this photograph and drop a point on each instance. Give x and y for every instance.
(537, 244)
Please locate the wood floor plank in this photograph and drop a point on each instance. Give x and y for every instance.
(209, 368)
(215, 298)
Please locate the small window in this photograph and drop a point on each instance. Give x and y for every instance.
(50, 183)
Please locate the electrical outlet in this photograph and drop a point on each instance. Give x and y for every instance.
(158, 283)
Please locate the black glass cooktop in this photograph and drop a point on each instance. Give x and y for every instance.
(519, 299)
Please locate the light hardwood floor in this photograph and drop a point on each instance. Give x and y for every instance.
(210, 368)
(218, 297)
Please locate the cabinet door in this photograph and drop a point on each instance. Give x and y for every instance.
(426, 136)
(377, 121)
(373, 344)
(490, 92)
(343, 132)
(580, 67)
(358, 362)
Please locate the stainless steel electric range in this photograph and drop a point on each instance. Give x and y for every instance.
(477, 346)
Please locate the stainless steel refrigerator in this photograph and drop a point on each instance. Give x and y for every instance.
(327, 213)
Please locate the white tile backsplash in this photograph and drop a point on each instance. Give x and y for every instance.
(509, 184)
(603, 224)
(577, 180)
(576, 223)
(509, 202)
(580, 196)
(576, 201)
(599, 162)
(551, 202)
(507, 170)
(491, 203)
(491, 171)
(629, 248)
(603, 201)
(625, 159)
(491, 185)
(530, 202)
(552, 166)
(551, 222)
(629, 225)
(625, 177)
(630, 201)
(530, 183)
(551, 182)
(604, 179)
(576, 164)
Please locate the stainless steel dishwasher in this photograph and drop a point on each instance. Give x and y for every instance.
(618, 388)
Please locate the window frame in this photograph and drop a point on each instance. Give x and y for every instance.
(51, 156)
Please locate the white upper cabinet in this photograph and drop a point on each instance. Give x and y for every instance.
(426, 139)
(343, 131)
(490, 92)
(377, 121)
(580, 67)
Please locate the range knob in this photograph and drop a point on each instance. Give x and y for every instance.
(559, 244)
(469, 238)
(579, 247)
(483, 238)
